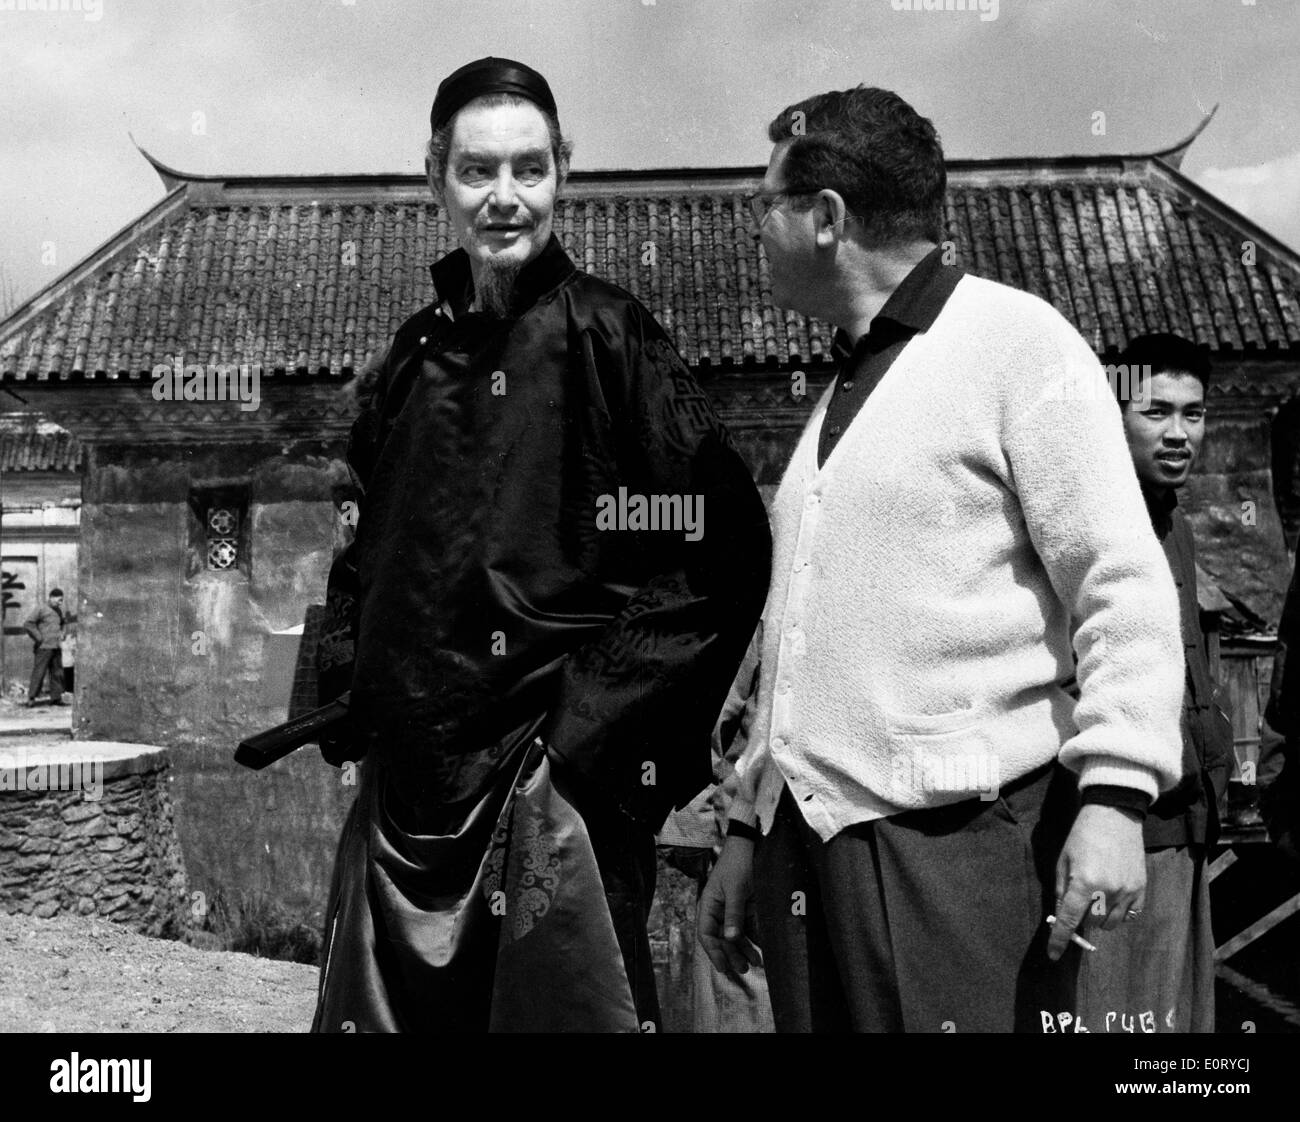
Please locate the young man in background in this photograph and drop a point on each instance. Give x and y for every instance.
(1159, 968)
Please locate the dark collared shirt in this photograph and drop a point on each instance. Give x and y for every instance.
(911, 309)
(1188, 814)
(454, 284)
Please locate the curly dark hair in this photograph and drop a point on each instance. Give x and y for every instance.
(882, 157)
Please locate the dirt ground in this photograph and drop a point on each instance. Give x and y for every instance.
(72, 974)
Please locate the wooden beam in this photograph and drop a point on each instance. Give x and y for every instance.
(1260, 994)
(1258, 928)
(1222, 863)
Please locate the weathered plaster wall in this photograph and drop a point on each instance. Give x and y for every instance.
(1230, 503)
(178, 661)
(1286, 467)
(1234, 501)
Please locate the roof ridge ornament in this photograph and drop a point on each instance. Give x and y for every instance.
(170, 177)
(1174, 156)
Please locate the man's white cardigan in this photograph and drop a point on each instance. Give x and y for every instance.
(917, 630)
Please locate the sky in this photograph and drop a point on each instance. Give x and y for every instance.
(305, 87)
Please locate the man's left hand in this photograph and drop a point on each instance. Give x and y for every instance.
(1103, 854)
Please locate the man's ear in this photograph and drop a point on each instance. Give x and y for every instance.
(829, 216)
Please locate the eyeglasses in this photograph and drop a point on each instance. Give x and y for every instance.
(762, 202)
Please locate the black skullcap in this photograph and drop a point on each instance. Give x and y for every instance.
(489, 76)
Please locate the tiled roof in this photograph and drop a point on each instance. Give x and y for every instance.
(310, 275)
(46, 448)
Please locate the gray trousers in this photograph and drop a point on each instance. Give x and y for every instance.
(47, 661)
(1155, 973)
(929, 921)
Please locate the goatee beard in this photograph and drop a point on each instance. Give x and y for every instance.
(496, 287)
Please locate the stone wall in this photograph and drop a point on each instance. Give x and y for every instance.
(1231, 505)
(1286, 467)
(89, 830)
(1241, 499)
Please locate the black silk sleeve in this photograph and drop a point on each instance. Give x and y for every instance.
(336, 647)
(636, 706)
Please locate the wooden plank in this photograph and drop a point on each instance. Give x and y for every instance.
(1241, 679)
(1224, 861)
(1258, 928)
(1234, 835)
(1260, 994)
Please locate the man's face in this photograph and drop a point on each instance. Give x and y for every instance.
(1164, 425)
(501, 183)
(56, 601)
(787, 236)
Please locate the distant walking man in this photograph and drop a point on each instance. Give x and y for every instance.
(1157, 972)
(45, 626)
(960, 493)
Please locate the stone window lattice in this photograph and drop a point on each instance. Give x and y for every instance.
(223, 537)
(219, 540)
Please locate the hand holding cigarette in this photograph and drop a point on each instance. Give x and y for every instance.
(1075, 937)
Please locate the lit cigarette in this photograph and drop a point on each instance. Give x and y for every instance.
(1075, 937)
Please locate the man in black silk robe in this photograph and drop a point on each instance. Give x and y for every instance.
(559, 562)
